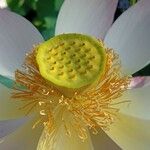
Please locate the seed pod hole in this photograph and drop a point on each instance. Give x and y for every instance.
(70, 70)
(60, 74)
(68, 62)
(74, 55)
(72, 43)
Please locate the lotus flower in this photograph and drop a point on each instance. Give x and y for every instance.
(128, 35)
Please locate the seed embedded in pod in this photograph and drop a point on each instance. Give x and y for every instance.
(72, 51)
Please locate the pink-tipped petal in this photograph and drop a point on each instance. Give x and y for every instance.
(138, 82)
(93, 17)
(17, 36)
(130, 35)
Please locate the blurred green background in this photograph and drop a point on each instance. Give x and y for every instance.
(43, 13)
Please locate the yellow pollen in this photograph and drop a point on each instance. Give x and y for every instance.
(92, 107)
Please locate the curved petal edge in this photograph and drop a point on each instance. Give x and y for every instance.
(92, 17)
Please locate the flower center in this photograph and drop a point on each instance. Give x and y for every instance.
(71, 60)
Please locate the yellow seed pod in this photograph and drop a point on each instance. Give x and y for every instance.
(71, 60)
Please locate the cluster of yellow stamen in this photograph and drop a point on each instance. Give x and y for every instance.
(92, 108)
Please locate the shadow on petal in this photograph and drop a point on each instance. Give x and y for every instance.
(101, 141)
(17, 37)
(131, 133)
(9, 126)
(9, 108)
(25, 138)
(139, 105)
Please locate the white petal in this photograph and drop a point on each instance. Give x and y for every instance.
(25, 138)
(17, 36)
(101, 141)
(130, 35)
(9, 108)
(93, 17)
(8, 126)
(140, 103)
(131, 133)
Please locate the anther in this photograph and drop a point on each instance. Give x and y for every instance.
(42, 112)
(41, 103)
(45, 92)
(61, 99)
(75, 93)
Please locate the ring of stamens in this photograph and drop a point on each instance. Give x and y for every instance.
(92, 108)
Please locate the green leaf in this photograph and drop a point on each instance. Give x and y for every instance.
(50, 22)
(42, 13)
(48, 33)
(45, 8)
(132, 2)
(58, 4)
(7, 82)
(17, 6)
(32, 4)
